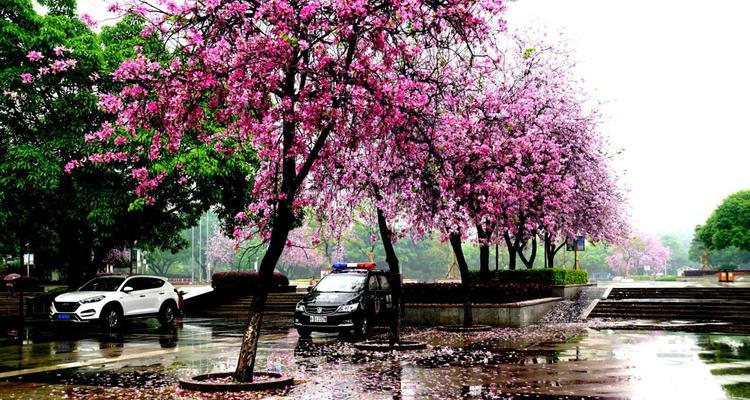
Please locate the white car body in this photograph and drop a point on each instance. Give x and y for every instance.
(138, 296)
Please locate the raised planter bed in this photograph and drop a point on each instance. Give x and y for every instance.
(568, 291)
(222, 382)
(464, 329)
(516, 315)
(385, 345)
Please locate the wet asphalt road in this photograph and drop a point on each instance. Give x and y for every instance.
(145, 361)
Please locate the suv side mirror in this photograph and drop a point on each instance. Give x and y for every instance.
(309, 289)
(127, 289)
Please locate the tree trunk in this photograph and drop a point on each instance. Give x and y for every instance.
(511, 251)
(455, 239)
(390, 256)
(552, 252)
(529, 262)
(497, 257)
(484, 254)
(77, 255)
(279, 234)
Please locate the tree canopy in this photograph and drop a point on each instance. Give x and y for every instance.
(728, 225)
(52, 70)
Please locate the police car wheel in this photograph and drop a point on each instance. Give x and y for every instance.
(303, 333)
(363, 328)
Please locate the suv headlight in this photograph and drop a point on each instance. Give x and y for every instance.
(348, 307)
(299, 307)
(92, 299)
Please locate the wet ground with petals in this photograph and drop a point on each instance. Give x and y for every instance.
(545, 361)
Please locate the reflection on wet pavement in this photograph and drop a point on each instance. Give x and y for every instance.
(536, 362)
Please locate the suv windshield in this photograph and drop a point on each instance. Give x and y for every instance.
(102, 284)
(341, 283)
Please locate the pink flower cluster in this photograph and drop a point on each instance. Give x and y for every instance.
(55, 66)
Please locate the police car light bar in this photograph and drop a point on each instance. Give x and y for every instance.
(339, 266)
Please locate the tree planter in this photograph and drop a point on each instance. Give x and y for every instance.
(385, 345)
(461, 328)
(222, 382)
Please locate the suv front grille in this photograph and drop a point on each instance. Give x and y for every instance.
(66, 306)
(323, 309)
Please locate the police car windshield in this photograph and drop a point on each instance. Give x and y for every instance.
(341, 283)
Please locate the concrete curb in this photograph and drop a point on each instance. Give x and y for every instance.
(585, 313)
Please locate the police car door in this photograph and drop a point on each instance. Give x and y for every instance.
(374, 295)
(385, 287)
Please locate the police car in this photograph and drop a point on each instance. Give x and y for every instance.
(351, 298)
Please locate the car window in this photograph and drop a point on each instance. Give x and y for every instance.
(384, 283)
(155, 283)
(139, 283)
(341, 283)
(103, 284)
(373, 283)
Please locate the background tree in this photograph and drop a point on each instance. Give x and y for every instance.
(160, 262)
(678, 251)
(71, 213)
(728, 225)
(727, 258)
(301, 258)
(641, 254)
(220, 250)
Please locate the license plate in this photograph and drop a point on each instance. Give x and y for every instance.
(315, 318)
(63, 316)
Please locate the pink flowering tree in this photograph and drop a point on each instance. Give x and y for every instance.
(390, 181)
(220, 250)
(641, 254)
(301, 253)
(536, 158)
(118, 258)
(301, 83)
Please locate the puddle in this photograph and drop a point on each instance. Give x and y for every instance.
(550, 361)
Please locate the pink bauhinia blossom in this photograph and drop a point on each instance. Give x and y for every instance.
(34, 56)
(301, 253)
(220, 250)
(641, 254)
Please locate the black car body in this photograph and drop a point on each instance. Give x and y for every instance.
(348, 299)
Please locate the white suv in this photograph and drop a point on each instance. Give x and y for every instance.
(111, 299)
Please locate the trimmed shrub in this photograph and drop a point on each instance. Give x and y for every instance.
(698, 272)
(667, 278)
(542, 276)
(243, 281)
(451, 293)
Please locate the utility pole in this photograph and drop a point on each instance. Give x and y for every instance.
(192, 255)
(200, 248)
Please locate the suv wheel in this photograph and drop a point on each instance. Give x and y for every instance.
(303, 333)
(111, 317)
(167, 314)
(363, 328)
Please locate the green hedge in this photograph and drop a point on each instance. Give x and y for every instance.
(543, 276)
(492, 292)
(243, 280)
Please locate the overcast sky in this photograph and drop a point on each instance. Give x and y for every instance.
(674, 76)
